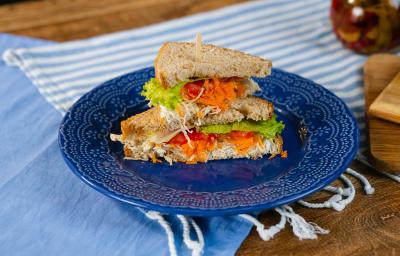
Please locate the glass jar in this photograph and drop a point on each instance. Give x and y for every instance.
(367, 26)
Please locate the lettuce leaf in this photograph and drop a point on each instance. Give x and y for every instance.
(158, 95)
(167, 97)
(268, 129)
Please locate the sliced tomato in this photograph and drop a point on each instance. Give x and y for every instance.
(212, 137)
(179, 139)
(194, 135)
(241, 134)
(192, 90)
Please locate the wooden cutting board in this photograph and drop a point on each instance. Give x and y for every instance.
(387, 104)
(384, 136)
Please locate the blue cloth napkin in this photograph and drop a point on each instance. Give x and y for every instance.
(46, 210)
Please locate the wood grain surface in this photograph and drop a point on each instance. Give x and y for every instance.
(384, 136)
(63, 20)
(369, 226)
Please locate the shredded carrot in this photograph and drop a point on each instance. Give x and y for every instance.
(258, 139)
(200, 114)
(221, 92)
(243, 145)
(215, 81)
(154, 158)
(199, 150)
(179, 110)
(284, 154)
(218, 93)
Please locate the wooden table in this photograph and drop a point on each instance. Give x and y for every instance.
(369, 226)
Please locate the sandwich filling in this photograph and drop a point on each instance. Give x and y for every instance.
(199, 144)
(215, 92)
(192, 137)
(244, 136)
(196, 98)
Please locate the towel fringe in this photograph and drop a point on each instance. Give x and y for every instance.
(167, 228)
(369, 190)
(300, 227)
(195, 246)
(265, 234)
(199, 234)
(336, 201)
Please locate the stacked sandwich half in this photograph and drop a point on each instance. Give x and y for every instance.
(202, 108)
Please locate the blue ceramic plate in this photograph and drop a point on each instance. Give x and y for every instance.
(217, 187)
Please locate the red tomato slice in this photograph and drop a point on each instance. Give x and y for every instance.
(212, 137)
(179, 139)
(191, 90)
(194, 135)
(241, 134)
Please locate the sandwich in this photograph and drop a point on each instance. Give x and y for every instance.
(202, 108)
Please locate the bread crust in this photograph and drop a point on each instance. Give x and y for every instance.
(140, 124)
(158, 72)
(176, 62)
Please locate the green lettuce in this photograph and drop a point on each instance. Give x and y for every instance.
(268, 129)
(158, 95)
(167, 97)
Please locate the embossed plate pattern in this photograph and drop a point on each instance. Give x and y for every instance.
(217, 187)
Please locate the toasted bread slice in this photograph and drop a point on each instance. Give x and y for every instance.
(177, 62)
(140, 124)
(252, 108)
(225, 151)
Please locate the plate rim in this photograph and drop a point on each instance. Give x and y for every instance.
(138, 202)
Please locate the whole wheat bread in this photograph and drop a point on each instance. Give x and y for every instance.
(177, 61)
